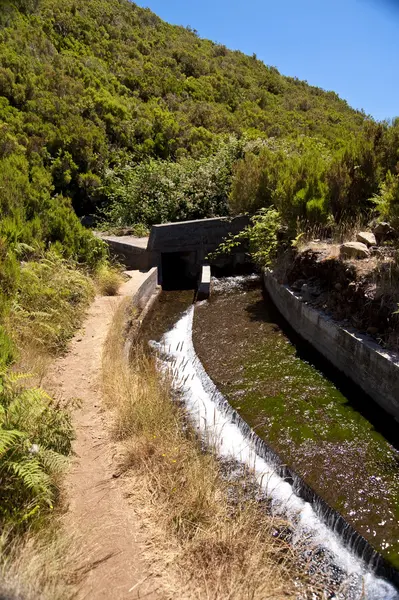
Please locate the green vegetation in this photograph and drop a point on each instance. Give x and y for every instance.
(156, 191)
(35, 438)
(106, 110)
(49, 304)
(261, 237)
(90, 89)
(108, 279)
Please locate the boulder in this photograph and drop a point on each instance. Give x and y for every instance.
(366, 237)
(383, 231)
(309, 292)
(354, 250)
(297, 285)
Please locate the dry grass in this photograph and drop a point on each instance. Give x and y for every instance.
(52, 299)
(210, 539)
(38, 566)
(108, 280)
(336, 233)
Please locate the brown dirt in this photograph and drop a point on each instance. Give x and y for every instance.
(363, 294)
(108, 530)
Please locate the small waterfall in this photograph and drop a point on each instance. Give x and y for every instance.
(313, 520)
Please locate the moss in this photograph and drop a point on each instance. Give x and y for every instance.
(301, 414)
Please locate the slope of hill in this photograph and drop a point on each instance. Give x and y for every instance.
(86, 85)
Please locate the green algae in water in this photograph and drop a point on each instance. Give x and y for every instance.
(301, 414)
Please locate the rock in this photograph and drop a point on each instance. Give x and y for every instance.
(305, 293)
(376, 251)
(383, 231)
(383, 227)
(297, 285)
(366, 237)
(338, 287)
(309, 293)
(354, 250)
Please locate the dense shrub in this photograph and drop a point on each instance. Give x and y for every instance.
(87, 85)
(49, 303)
(35, 438)
(158, 191)
(387, 200)
(261, 237)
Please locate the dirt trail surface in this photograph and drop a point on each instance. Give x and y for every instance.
(108, 531)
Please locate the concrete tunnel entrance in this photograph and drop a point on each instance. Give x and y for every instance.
(179, 270)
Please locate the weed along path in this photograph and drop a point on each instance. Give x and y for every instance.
(109, 537)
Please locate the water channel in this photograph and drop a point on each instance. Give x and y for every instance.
(235, 348)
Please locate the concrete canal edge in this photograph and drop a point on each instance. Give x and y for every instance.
(147, 291)
(204, 286)
(372, 368)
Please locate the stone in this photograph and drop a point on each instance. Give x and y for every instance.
(383, 231)
(366, 237)
(354, 250)
(309, 293)
(383, 227)
(297, 285)
(305, 293)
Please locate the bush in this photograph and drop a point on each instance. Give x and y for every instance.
(159, 191)
(50, 303)
(261, 236)
(108, 280)
(387, 200)
(7, 349)
(35, 438)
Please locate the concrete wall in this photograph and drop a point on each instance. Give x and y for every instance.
(132, 252)
(204, 286)
(375, 370)
(195, 240)
(147, 289)
(201, 235)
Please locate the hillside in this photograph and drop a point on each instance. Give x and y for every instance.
(86, 85)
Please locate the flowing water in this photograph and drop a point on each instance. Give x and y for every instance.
(301, 415)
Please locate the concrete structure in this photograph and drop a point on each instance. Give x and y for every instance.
(147, 289)
(180, 249)
(130, 250)
(373, 369)
(204, 287)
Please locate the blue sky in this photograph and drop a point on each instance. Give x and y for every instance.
(349, 46)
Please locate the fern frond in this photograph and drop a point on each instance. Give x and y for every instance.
(8, 438)
(31, 474)
(53, 462)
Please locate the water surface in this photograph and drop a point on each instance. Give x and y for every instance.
(299, 412)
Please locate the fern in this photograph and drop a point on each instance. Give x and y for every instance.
(35, 440)
(8, 440)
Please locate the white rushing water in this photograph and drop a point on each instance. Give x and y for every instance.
(203, 402)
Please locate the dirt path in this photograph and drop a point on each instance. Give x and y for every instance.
(98, 511)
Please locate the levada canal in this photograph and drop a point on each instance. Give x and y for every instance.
(323, 453)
